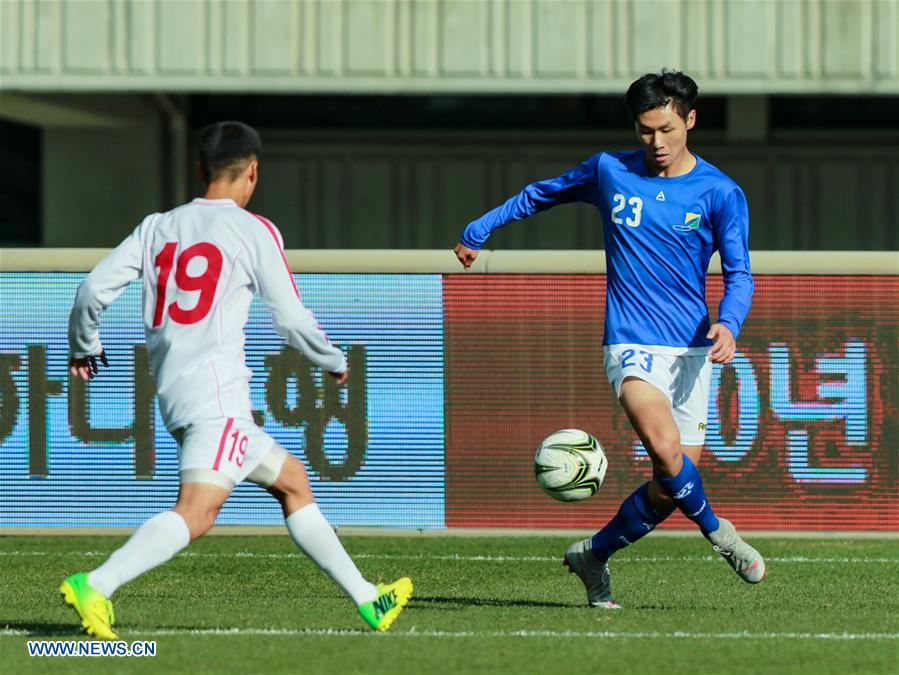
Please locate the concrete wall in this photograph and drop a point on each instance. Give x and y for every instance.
(98, 184)
(101, 174)
(109, 157)
(745, 46)
(418, 189)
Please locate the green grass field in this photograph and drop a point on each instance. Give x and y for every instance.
(498, 605)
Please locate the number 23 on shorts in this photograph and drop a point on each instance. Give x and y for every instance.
(631, 358)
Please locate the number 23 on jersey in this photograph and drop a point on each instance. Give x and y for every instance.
(205, 282)
(632, 216)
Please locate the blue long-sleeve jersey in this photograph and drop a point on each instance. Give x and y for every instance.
(659, 236)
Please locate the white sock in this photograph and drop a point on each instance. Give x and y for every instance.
(153, 543)
(315, 536)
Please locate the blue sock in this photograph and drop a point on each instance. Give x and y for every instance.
(636, 518)
(686, 490)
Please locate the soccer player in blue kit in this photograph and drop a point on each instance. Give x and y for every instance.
(664, 210)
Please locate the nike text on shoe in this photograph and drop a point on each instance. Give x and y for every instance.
(381, 612)
(595, 575)
(93, 608)
(745, 560)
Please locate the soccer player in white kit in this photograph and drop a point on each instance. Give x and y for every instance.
(200, 265)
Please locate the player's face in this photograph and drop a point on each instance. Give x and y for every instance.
(663, 134)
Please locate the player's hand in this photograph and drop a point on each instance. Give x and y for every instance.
(465, 255)
(724, 346)
(86, 367)
(341, 377)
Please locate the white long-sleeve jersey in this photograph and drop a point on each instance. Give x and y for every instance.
(201, 263)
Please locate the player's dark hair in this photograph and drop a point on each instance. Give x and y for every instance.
(657, 90)
(226, 148)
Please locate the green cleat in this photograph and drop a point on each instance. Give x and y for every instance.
(93, 608)
(381, 612)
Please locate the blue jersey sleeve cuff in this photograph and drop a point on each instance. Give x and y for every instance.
(467, 241)
(731, 325)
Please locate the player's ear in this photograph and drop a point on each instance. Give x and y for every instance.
(200, 174)
(253, 171)
(691, 119)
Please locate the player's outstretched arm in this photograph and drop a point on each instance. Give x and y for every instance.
(103, 285)
(577, 184)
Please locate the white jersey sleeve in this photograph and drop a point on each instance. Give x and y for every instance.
(275, 285)
(104, 284)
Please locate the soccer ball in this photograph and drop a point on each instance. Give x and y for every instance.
(570, 465)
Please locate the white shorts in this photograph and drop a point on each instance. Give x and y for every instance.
(684, 378)
(234, 448)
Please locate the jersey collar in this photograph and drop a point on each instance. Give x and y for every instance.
(227, 201)
(646, 173)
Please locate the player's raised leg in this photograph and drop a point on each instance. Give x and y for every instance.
(678, 477)
(284, 476)
(649, 411)
(152, 544)
(638, 515)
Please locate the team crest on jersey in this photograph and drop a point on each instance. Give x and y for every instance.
(691, 222)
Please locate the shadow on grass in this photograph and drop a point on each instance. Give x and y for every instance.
(459, 603)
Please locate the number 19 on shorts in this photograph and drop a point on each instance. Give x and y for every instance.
(232, 446)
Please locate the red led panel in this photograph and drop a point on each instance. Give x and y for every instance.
(803, 428)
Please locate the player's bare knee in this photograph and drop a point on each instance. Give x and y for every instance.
(206, 522)
(199, 508)
(667, 457)
(201, 526)
(295, 494)
(292, 482)
(664, 449)
(199, 519)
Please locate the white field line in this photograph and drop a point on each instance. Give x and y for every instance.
(471, 558)
(413, 633)
(444, 532)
